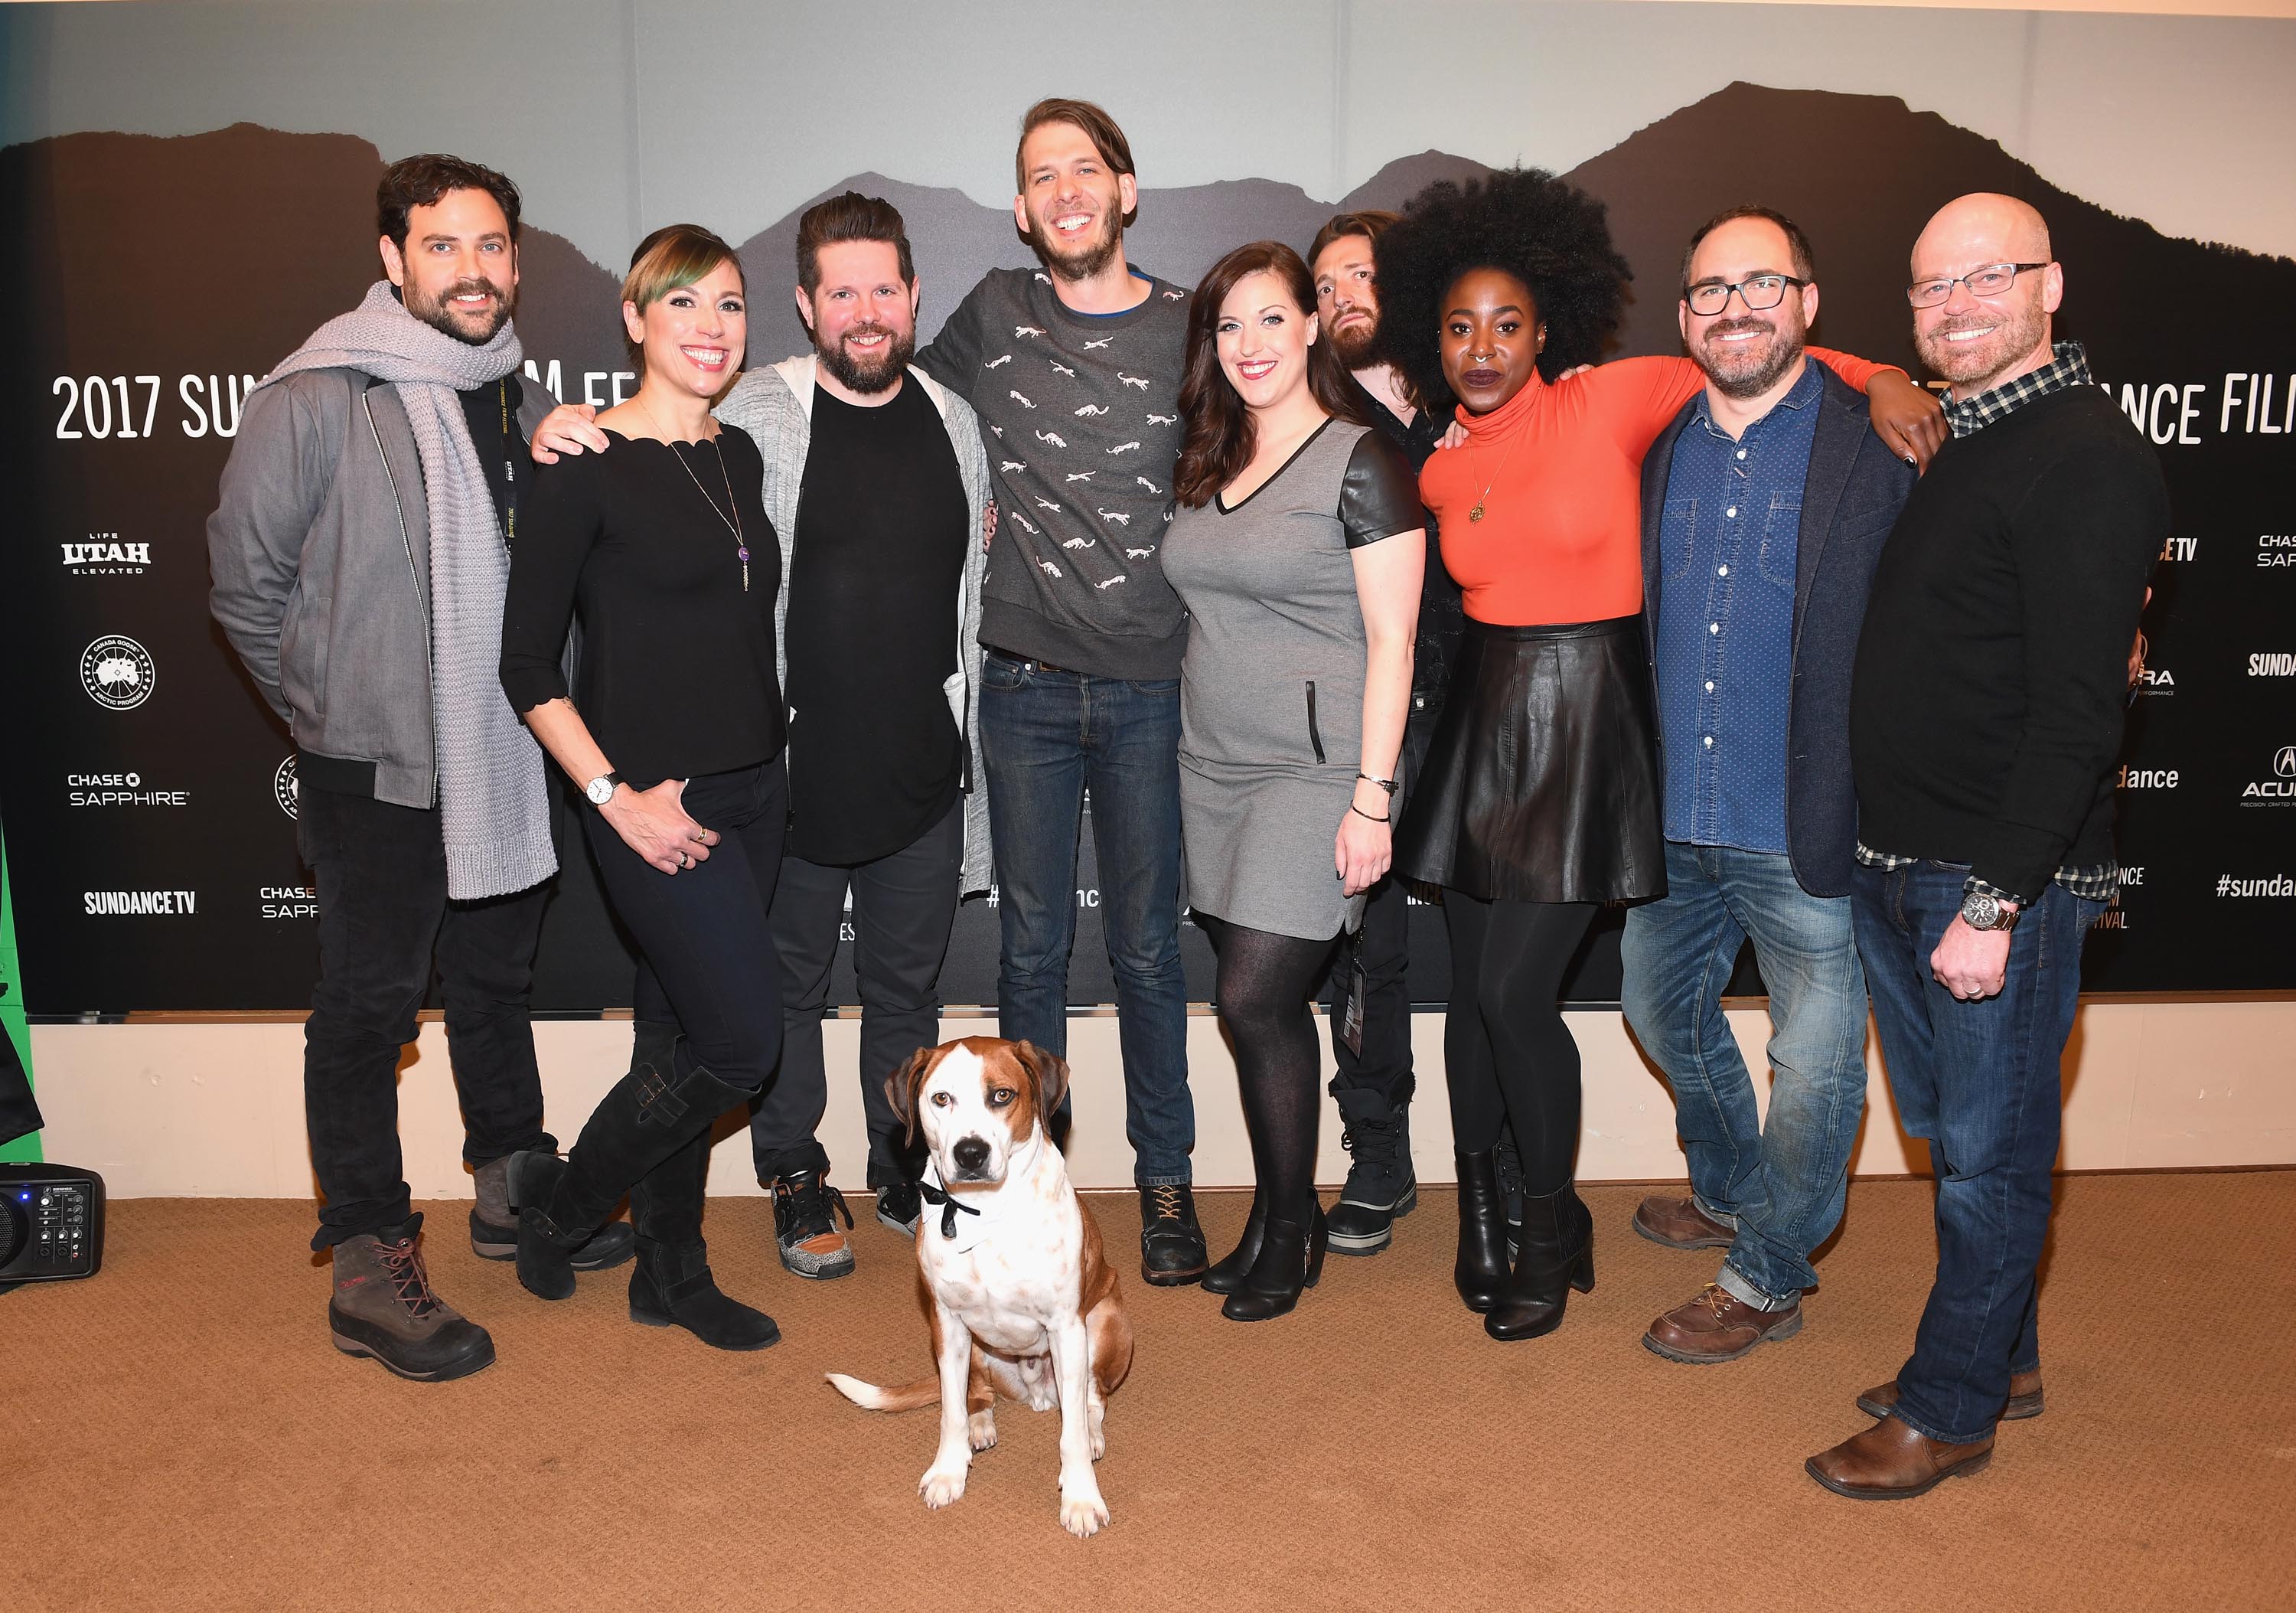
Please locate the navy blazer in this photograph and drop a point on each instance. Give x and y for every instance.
(1850, 501)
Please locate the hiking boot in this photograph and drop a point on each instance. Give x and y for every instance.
(806, 1209)
(494, 1225)
(1171, 1243)
(1382, 1186)
(898, 1205)
(384, 1307)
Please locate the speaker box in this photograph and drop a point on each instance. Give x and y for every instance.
(51, 1223)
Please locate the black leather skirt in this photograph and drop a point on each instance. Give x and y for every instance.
(1542, 783)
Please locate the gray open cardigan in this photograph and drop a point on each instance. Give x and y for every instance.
(775, 407)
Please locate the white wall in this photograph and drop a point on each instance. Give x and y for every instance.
(216, 1109)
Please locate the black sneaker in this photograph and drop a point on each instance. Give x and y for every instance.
(898, 1205)
(806, 1209)
(1509, 1168)
(1382, 1186)
(1171, 1243)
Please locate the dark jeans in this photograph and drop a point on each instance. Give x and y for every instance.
(1047, 737)
(1981, 1083)
(903, 906)
(1384, 1064)
(385, 919)
(702, 931)
(1781, 1181)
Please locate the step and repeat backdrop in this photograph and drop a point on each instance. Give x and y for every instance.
(150, 799)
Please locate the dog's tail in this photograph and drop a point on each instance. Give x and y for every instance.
(907, 1397)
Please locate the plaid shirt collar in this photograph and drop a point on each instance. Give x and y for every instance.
(1968, 416)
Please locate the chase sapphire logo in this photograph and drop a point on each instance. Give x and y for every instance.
(117, 672)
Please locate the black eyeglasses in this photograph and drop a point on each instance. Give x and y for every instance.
(1759, 292)
(1989, 280)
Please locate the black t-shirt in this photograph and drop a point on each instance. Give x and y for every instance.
(1441, 618)
(492, 411)
(677, 678)
(875, 576)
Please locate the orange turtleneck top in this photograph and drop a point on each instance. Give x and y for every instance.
(1560, 537)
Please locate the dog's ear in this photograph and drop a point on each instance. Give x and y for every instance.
(901, 1090)
(1051, 1072)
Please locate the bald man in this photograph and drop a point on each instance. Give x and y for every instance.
(1985, 719)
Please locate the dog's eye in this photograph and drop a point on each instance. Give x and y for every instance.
(1002, 1096)
(942, 1100)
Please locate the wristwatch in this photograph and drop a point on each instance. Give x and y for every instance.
(1980, 912)
(601, 789)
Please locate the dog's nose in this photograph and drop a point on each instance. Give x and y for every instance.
(970, 1154)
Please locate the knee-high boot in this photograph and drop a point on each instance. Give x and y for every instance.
(1557, 1256)
(651, 1113)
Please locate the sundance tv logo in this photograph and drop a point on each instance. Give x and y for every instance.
(2272, 664)
(117, 672)
(2280, 789)
(140, 904)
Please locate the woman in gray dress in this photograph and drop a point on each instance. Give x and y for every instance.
(1297, 548)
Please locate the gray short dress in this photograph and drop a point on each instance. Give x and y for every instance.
(1272, 682)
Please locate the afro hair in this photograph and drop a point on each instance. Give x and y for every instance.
(1548, 234)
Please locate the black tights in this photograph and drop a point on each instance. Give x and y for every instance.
(1262, 988)
(1507, 1052)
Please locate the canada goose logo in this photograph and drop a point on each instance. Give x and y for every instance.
(1151, 486)
(993, 363)
(1027, 525)
(1139, 381)
(1081, 543)
(1124, 447)
(117, 672)
(1064, 369)
(1111, 582)
(1140, 554)
(1163, 419)
(1025, 330)
(1011, 465)
(1023, 402)
(1093, 408)
(1052, 437)
(1046, 504)
(1048, 568)
(1117, 516)
(287, 787)
(1082, 475)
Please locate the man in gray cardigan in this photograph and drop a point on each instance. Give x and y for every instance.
(877, 484)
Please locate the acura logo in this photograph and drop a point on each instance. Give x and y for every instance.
(2284, 761)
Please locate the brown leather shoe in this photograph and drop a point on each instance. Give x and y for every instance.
(2024, 1398)
(1893, 1461)
(1680, 1223)
(1717, 1326)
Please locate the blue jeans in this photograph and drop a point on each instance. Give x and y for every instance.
(1981, 1083)
(1781, 1185)
(1046, 736)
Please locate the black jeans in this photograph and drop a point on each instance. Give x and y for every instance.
(380, 873)
(903, 907)
(1384, 1064)
(702, 931)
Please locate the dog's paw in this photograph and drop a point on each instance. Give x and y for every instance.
(1099, 1443)
(1082, 1511)
(941, 1485)
(980, 1428)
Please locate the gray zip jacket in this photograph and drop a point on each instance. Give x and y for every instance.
(320, 554)
(775, 407)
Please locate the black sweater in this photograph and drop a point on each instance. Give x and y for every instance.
(677, 677)
(1992, 674)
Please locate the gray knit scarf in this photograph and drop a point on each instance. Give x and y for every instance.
(494, 803)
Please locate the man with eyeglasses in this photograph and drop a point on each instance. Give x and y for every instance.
(1985, 716)
(1764, 507)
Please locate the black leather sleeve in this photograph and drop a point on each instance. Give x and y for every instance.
(1379, 495)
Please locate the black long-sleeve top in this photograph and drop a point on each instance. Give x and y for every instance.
(676, 671)
(1991, 677)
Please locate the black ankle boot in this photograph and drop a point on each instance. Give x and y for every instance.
(1558, 1255)
(672, 1286)
(1482, 1271)
(545, 1247)
(1226, 1275)
(1291, 1259)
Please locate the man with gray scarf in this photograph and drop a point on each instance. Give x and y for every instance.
(359, 552)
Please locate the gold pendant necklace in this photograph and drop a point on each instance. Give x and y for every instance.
(1476, 513)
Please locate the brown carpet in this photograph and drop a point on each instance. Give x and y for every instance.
(177, 1433)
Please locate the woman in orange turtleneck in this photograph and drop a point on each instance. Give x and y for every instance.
(1541, 797)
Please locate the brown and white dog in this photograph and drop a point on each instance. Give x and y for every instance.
(1009, 1269)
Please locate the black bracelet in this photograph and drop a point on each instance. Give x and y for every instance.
(1389, 784)
(1359, 812)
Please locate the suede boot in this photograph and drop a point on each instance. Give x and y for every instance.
(672, 1286)
(1558, 1255)
(1226, 1275)
(1481, 1270)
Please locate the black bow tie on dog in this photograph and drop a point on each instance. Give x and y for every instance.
(948, 1204)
